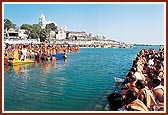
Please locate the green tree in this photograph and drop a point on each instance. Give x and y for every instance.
(42, 35)
(50, 27)
(8, 24)
(32, 31)
(36, 28)
(27, 27)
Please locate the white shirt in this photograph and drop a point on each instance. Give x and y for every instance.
(138, 75)
(24, 51)
(151, 62)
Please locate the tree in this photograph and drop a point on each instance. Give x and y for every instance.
(32, 31)
(42, 35)
(27, 27)
(8, 24)
(50, 27)
(36, 28)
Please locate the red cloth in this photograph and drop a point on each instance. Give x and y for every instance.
(5, 60)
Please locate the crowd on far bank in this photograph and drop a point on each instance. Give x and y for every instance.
(143, 88)
(36, 52)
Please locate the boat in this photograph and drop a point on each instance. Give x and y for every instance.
(19, 62)
(58, 56)
(119, 79)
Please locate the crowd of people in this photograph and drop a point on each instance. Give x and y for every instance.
(36, 52)
(143, 88)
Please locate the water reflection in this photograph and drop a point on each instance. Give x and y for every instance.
(19, 69)
(45, 65)
(6, 68)
(118, 85)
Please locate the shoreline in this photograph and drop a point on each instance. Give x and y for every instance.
(81, 44)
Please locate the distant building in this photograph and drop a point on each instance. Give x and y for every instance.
(22, 34)
(61, 32)
(65, 28)
(52, 34)
(74, 35)
(15, 34)
(43, 22)
(61, 35)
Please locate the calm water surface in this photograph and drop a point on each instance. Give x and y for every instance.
(80, 83)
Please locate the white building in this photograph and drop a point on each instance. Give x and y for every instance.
(77, 35)
(61, 34)
(43, 22)
(15, 34)
(22, 35)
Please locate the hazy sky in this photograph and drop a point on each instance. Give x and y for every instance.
(129, 23)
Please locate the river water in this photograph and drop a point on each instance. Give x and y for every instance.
(80, 83)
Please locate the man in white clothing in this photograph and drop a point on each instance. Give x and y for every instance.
(24, 53)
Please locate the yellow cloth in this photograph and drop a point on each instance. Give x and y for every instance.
(16, 54)
(150, 100)
(137, 105)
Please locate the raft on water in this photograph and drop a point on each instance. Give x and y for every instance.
(19, 62)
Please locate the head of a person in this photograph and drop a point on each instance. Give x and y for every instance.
(161, 46)
(132, 78)
(156, 82)
(140, 84)
(115, 101)
(143, 59)
(142, 52)
(131, 95)
(24, 46)
(124, 89)
(132, 70)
